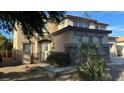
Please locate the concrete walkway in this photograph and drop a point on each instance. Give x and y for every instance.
(59, 73)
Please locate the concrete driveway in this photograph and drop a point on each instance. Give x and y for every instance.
(116, 61)
(116, 68)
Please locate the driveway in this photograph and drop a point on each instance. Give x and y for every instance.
(117, 61)
(116, 68)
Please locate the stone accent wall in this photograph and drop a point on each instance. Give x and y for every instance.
(105, 53)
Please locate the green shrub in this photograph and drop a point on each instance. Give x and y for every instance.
(59, 59)
(93, 66)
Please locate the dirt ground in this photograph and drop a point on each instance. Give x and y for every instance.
(23, 73)
(35, 72)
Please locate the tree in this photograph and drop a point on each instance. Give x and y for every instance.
(5, 45)
(31, 21)
(93, 66)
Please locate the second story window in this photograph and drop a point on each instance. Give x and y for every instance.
(85, 25)
(99, 27)
(102, 27)
(75, 23)
(81, 24)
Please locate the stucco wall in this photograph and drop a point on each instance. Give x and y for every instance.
(65, 23)
(67, 37)
(19, 39)
(62, 39)
(114, 49)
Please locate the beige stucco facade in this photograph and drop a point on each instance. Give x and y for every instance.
(62, 37)
(19, 40)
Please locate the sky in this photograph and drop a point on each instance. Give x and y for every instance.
(114, 19)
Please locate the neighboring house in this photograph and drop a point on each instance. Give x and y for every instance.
(65, 37)
(116, 46)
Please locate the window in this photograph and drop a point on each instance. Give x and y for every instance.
(81, 24)
(85, 25)
(99, 27)
(102, 27)
(90, 39)
(44, 46)
(27, 48)
(100, 41)
(76, 23)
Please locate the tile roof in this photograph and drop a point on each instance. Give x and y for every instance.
(68, 28)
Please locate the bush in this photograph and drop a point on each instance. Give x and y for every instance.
(59, 59)
(93, 66)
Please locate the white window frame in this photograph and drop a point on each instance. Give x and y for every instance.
(25, 51)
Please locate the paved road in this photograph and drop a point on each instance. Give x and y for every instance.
(116, 68)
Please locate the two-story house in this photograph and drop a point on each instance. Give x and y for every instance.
(67, 36)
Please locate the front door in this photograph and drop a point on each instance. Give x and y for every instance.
(44, 51)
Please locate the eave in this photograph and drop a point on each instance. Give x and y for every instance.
(71, 28)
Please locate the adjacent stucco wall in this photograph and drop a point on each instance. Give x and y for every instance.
(18, 41)
(61, 39)
(114, 49)
(122, 45)
(65, 23)
(117, 46)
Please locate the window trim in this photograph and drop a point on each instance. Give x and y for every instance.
(30, 48)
